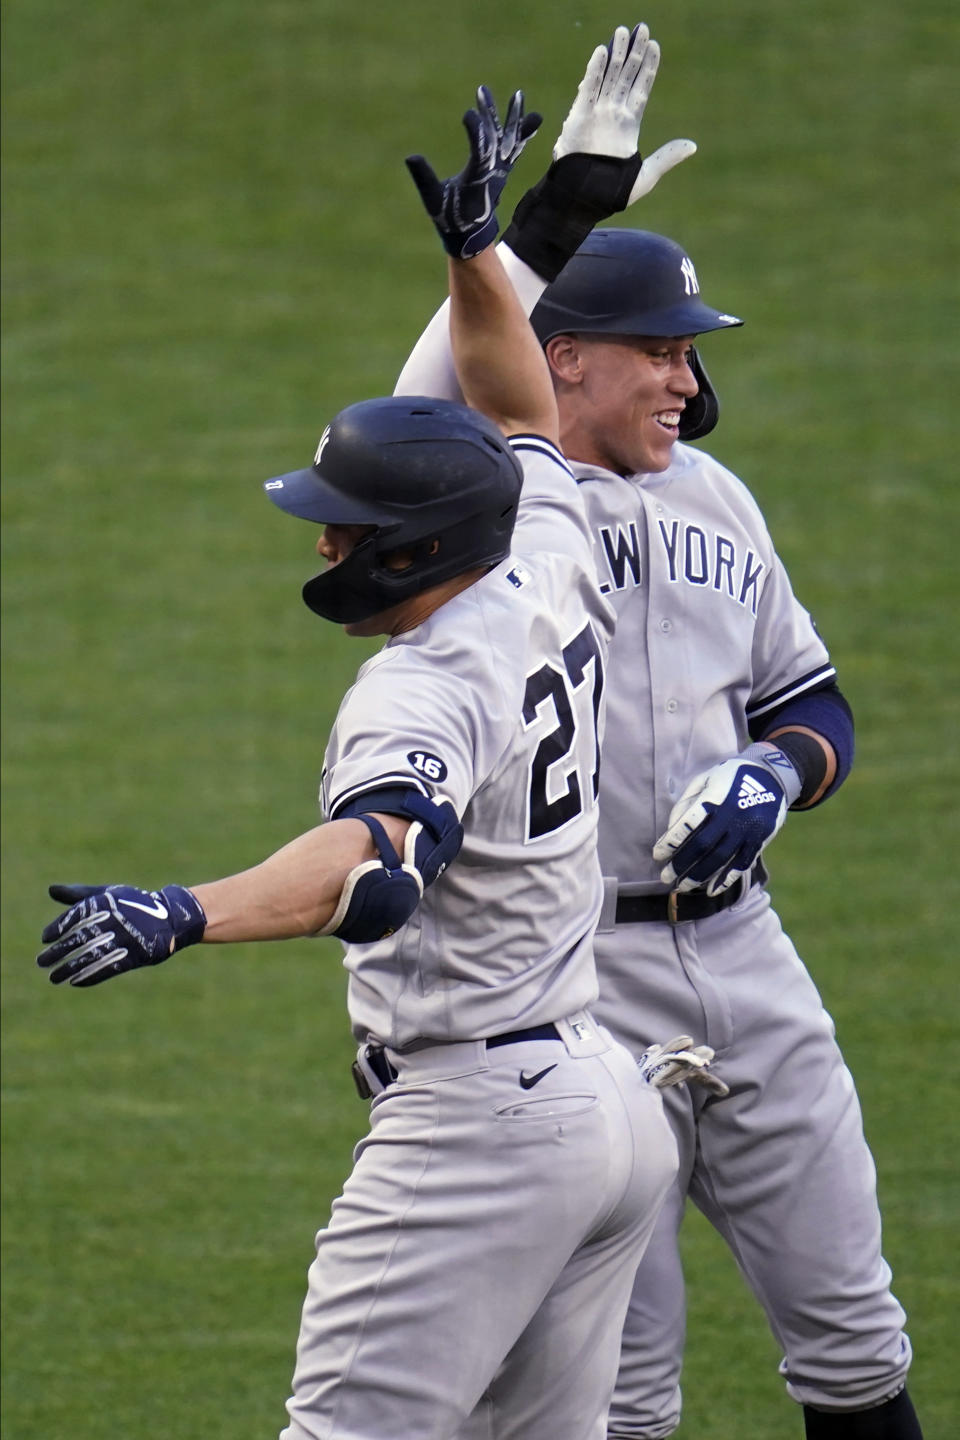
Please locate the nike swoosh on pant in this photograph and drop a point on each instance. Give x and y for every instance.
(527, 1082)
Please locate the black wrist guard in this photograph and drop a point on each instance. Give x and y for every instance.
(553, 219)
(808, 759)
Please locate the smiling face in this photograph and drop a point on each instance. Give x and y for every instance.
(620, 398)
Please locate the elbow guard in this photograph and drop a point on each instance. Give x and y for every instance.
(380, 895)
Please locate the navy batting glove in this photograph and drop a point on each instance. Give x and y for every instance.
(110, 929)
(724, 819)
(463, 208)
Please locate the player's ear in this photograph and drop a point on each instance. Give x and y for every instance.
(565, 359)
(399, 560)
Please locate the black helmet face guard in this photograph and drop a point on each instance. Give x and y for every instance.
(354, 589)
(364, 583)
(701, 413)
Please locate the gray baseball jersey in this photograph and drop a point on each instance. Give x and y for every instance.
(494, 703)
(700, 593)
(710, 636)
(532, 1168)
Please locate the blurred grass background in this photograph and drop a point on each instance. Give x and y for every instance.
(211, 245)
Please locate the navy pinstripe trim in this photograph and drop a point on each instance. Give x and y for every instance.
(377, 782)
(812, 681)
(542, 445)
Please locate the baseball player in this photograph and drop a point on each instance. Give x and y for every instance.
(517, 1156)
(723, 714)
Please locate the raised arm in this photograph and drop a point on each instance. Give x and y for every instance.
(498, 364)
(596, 172)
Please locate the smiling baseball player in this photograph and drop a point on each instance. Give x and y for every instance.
(478, 1262)
(723, 714)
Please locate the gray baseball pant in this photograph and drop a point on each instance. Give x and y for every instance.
(476, 1269)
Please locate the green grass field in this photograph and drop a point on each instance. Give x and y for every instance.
(211, 246)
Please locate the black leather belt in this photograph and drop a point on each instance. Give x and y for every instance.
(675, 908)
(376, 1055)
(513, 1037)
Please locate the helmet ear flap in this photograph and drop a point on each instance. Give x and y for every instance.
(701, 413)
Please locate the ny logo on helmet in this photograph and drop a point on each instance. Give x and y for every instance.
(691, 285)
(322, 446)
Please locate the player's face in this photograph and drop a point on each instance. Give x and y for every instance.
(624, 411)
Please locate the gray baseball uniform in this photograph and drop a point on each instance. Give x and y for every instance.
(477, 1266)
(710, 636)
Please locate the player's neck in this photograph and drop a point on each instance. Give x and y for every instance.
(401, 619)
(420, 607)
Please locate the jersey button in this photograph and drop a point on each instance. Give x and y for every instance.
(672, 707)
(666, 626)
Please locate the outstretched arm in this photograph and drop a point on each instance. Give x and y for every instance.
(295, 891)
(110, 929)
(596, 172)
(497, 362)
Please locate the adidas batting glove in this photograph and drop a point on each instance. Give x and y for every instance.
(113, 928)
(724, 819)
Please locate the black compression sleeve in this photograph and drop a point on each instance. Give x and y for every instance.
(809, 760)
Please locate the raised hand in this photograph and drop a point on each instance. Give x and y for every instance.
(463, 208)
(597, 171)
(605, 117)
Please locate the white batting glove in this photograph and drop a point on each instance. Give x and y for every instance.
(605, 117)
(679, 1061)
(724, 818)
(597, 171)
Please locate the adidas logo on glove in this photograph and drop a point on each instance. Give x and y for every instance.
(753, 793)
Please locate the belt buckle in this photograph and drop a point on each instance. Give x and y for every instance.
(673, 901)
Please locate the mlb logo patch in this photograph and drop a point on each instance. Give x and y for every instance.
(518, 577)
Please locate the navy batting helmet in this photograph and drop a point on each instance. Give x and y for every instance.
(432, 478)
(633, 282)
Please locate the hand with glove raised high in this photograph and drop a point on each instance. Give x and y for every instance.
(596, 170)
(463, 208)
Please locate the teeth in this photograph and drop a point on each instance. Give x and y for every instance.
(669, 417)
